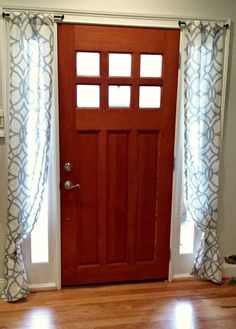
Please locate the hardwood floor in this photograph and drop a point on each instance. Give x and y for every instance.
(155, 305)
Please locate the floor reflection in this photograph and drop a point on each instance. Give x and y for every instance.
(184, 315)
(41, 318)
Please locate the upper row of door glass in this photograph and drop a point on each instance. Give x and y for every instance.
(88, 64)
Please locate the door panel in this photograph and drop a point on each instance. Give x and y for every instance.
(87, 203)
(147, 189)
(116, 226)
(117, 197)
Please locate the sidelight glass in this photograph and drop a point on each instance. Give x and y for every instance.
(151, 66)
(87, 64)
(149, 96)
(120, 65)
(186, 236)
(119, 96)
(39, 235)
(88, 96)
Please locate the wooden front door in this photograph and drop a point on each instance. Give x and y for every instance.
(117, 93)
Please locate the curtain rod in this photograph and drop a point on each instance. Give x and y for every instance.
(57, 17)
(63, 12)
(183, 24)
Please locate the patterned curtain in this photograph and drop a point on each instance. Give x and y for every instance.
(30, 49)
(203, 70)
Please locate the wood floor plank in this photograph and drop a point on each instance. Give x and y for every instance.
(154, 305)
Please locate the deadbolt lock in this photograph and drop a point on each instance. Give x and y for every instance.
(68, 166)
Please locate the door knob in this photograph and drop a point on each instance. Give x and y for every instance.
(68, 185)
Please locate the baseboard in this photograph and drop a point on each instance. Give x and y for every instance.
(183, 276)
(43, 286)
(35, 287)
(1, 284)
(229, 271)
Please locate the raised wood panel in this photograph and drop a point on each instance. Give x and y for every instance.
(87, 201)
(117, 176)
(147, 144)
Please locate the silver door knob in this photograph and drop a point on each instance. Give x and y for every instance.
(68, 185)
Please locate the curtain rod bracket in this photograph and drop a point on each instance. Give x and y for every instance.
(182, 24)
(5, 14)
(59, 17)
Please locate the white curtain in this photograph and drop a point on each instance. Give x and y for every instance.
(203, 74)
(30, 51)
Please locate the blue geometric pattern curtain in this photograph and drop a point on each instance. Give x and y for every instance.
(203, 73)
(30, 49)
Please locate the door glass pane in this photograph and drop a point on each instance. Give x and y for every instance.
(88, 64)
(119, 65)
(88, 96)
(149, 97)
(119, 96)
(151, 66)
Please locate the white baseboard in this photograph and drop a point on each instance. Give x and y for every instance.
(183, 276)
(35, 287)
(43, 286)
(229, 271)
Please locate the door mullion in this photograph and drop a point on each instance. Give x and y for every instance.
(104, 81)
(135, 80)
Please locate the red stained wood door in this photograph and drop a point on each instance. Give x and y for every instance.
(117, 120)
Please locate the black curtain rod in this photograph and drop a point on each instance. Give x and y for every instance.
(183, 24)
(56, 17)
(61, 17)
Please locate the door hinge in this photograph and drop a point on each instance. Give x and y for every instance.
(180, 58)
(170, 254)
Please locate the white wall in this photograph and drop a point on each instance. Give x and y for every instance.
(217, 9)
